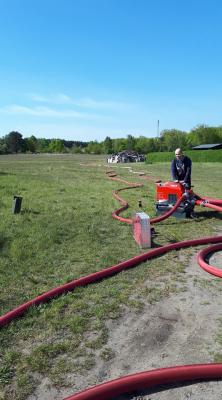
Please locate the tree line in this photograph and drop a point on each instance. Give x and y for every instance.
(168, 140)
(15, 143)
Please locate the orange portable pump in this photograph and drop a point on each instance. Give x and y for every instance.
(167, 194)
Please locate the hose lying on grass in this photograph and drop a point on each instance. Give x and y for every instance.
(125, 205)
(97, 276)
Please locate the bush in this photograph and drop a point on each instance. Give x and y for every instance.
(195, 155)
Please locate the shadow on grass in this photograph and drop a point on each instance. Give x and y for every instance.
(200, 216)
(29, 211)
(209, 214)
(3, 242)
(154, 244)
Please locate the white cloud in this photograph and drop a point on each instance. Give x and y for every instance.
(38, 97)
(85, 102)
(88, 102)
(62, 98)
(46, 112)
(59, 98)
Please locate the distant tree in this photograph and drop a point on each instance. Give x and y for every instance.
(14, 142)
(203, 134)
(119, 145)
(3, 146)
(94, 148)
(142, 145)
(219, 132)
(56, 146)
(173, 138)
(70, 143)
(31, 144)
(76, 149)
(153, 145)
(130, 142)
(43, 145)
(108, 145)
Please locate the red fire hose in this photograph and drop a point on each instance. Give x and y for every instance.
(208, 204)
(125, 204)
(215, 204)
(96, 276)
(201, 256)
(150, 378)
(208, 199)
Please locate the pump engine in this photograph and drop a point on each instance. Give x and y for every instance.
(167, 194)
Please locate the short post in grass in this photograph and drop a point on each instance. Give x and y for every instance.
(17, 203)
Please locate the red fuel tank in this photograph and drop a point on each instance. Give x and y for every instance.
(169, 192)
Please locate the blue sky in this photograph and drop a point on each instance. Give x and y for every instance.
(87, 69)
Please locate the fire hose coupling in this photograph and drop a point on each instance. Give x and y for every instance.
(202, 204)
(187, 195)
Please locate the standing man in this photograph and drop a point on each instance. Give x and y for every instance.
(181, 168)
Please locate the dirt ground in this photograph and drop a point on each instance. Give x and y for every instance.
(181, 329)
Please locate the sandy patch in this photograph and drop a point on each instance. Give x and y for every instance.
(180, 329)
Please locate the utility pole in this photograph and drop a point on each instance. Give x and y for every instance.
(158, 133)
(158, 128)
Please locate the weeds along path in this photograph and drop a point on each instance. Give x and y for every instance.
(149, 378)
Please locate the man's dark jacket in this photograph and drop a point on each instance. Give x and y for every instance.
(184, 173)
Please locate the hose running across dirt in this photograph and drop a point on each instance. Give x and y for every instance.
(149, 378)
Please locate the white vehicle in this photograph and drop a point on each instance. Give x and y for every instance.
(113, 159)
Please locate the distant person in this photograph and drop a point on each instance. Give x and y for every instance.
(181, 168)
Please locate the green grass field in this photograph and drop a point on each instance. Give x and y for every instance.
(65, 231)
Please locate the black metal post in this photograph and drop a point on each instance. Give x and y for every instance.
(17, 203)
